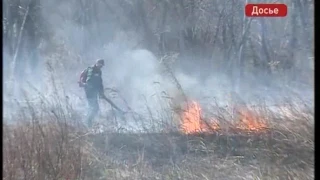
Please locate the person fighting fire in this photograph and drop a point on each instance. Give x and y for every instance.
(91, 81)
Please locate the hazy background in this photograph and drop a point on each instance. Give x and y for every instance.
(158, 53)
(212, 49)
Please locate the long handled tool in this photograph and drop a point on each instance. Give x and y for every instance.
(112, 104)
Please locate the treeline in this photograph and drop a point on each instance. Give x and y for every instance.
(215, 31)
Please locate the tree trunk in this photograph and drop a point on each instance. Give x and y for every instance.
(162, 43)
(17, 51)
(239, 65)
(265, 56)
(147, 31)
(290, 62)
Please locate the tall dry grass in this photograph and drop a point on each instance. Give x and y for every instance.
(47, 139)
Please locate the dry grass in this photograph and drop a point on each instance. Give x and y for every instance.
(53, 145)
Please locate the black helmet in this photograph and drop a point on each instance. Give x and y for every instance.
(100, 61)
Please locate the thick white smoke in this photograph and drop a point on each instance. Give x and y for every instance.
(135, 72)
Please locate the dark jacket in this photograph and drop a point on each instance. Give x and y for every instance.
(94, 84)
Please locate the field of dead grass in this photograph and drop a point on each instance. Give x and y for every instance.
(53, 144)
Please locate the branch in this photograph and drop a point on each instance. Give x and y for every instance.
(245, 32)
(13, 64)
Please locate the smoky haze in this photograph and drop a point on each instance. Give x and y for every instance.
(207, 92)
(135, 36)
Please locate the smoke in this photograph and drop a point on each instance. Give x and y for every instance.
(135, 72)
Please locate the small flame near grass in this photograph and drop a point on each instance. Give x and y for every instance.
(192, 121)
(250, 121)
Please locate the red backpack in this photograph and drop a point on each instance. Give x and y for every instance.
(83, 78)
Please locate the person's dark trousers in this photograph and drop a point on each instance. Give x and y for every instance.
(93, 105)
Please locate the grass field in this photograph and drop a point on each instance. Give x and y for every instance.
(52, 144)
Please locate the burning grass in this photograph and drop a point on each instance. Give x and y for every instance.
(53, 145)
(246, 120)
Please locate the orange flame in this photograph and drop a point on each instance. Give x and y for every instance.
(250, 121)
(192, 121)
